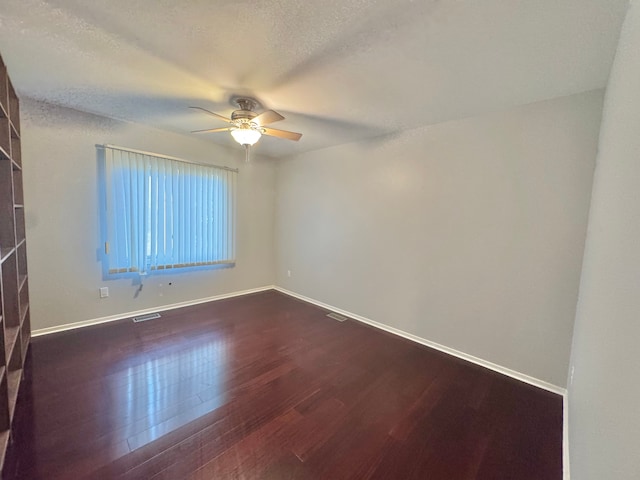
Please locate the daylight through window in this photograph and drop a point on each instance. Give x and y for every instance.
(163, 212)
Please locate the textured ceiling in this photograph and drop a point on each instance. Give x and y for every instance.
(338, 70)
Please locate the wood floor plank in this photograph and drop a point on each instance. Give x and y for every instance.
(265, 386)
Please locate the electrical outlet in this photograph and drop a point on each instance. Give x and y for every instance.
(104, 292)
(288, 273)
(573, 368)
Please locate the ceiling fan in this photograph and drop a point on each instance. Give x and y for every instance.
(247, 126)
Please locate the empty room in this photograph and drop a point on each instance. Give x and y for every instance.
(388, 239)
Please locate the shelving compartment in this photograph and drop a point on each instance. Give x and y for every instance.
(5, 129)
(7, 233)
(18, 196)
(3, 355)
(10, 298)
(4, 90)
(25, 334)
(5, 137)
(13, 347)
(16, 153)
(5, 422)
(13, 382)
(22, 266)
(14, 108)
(23, 296)
(19, 219)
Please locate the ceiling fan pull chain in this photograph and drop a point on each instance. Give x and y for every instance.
(246, 150)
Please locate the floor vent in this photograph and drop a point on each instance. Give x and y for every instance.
(336, 316)
(144, 318)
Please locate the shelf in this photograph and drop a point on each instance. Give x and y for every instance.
(13, 385)
(5, 137)
(15, 319)
(14, 132)
(16, 151)
(25, 347)
(21, 280)
(19, 225)
(25, 343)
(14, 106)
(18, 194)
(4, 442)
(10, 336)
(5, 252)
(24, 308)
(4, 91)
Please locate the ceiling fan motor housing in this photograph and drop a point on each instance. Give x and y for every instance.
(246, 112)
(243, 115)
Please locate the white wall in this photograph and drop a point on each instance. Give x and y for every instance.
(604, 397)
(61, 198)
(468, 233)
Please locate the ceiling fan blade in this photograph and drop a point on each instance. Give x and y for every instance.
(213, 114)
(274, 132)
(212, 130)
(265, 118)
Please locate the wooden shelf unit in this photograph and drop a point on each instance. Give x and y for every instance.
(15, 324)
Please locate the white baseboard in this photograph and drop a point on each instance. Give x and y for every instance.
(451, 351)
(121, 316)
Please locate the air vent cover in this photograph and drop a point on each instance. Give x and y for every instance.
(336, 316)
(144, 318)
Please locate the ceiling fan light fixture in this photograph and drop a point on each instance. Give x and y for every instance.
(246, 125)
(246, 136)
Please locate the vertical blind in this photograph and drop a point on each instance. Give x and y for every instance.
(165, 213)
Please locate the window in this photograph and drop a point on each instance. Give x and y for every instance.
(164, 213)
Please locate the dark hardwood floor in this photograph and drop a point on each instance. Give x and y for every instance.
(266, 387)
